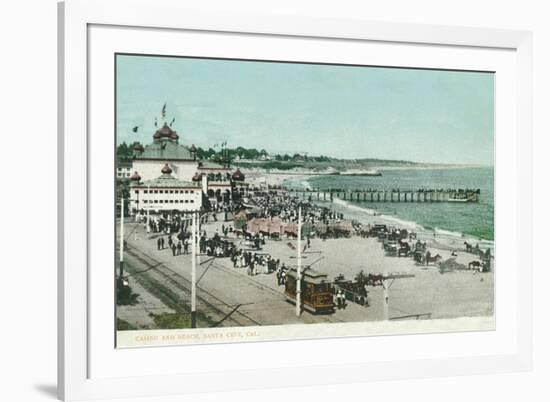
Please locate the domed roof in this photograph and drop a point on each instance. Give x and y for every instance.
(197, 177)
(166, 132)
(193, 148)
(238, 175)
(138, 147)
(135, 177)
(166, 169)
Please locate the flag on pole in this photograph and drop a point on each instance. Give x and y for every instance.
(156, 123)
(163, 111)
(172, 122)
(135, 129)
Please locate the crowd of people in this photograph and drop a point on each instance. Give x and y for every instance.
(272, 205)
(164, 223)
(255, 263)
(219, 245)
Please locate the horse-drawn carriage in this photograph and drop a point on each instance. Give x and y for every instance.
(377, 229)
(418, 256)
(355, 290)
(390, 247)
(404, 249)
(316, 290)
(479, 265)
(396, 248)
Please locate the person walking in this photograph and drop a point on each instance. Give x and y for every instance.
(173, 249)
(253, 267)
(343, 296)
(158, 243)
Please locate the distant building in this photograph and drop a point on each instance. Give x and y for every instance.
(240, 187)
(164, 193)
(123, 169)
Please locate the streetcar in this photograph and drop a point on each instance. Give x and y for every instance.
(316, 290)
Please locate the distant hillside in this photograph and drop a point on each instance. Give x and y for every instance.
(336, 165)
(261, 159)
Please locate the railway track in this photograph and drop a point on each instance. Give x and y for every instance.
(264, 288)
(224, 314)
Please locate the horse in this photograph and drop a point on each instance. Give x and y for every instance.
(435, 259)
(469, 247)
(475, 265)
(374, 280)
(291, 235)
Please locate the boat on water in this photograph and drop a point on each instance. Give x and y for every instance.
(463, 199)
(360, 172)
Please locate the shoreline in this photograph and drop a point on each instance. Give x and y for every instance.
(331, 171)
(367, 215)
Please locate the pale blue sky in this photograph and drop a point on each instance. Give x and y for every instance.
(340, 111)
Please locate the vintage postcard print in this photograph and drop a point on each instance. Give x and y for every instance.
(266, 200)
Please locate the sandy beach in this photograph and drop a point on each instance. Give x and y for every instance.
(449, 295)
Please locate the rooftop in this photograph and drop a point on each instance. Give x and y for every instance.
(166, 150)
(167, 180)
(310, 275)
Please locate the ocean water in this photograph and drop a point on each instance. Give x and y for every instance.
(459, 220)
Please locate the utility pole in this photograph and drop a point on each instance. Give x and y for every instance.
(194, 272)
(199, 217)
(386, 285)
(148, 228)
(121, 258)
(299, 270)
(386, 301)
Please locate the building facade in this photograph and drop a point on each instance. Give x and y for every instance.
(123, 169)
(217, 182)
(165, 193)
(165, 148)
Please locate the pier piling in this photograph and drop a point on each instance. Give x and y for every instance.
(393, 195)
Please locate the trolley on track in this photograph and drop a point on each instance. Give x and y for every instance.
(316, 290)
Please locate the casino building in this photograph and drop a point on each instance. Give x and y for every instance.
(215, 182)
(164, 193)
(165, 148)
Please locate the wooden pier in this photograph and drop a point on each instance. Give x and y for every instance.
(388, 195)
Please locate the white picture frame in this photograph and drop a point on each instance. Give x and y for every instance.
(75, 381)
